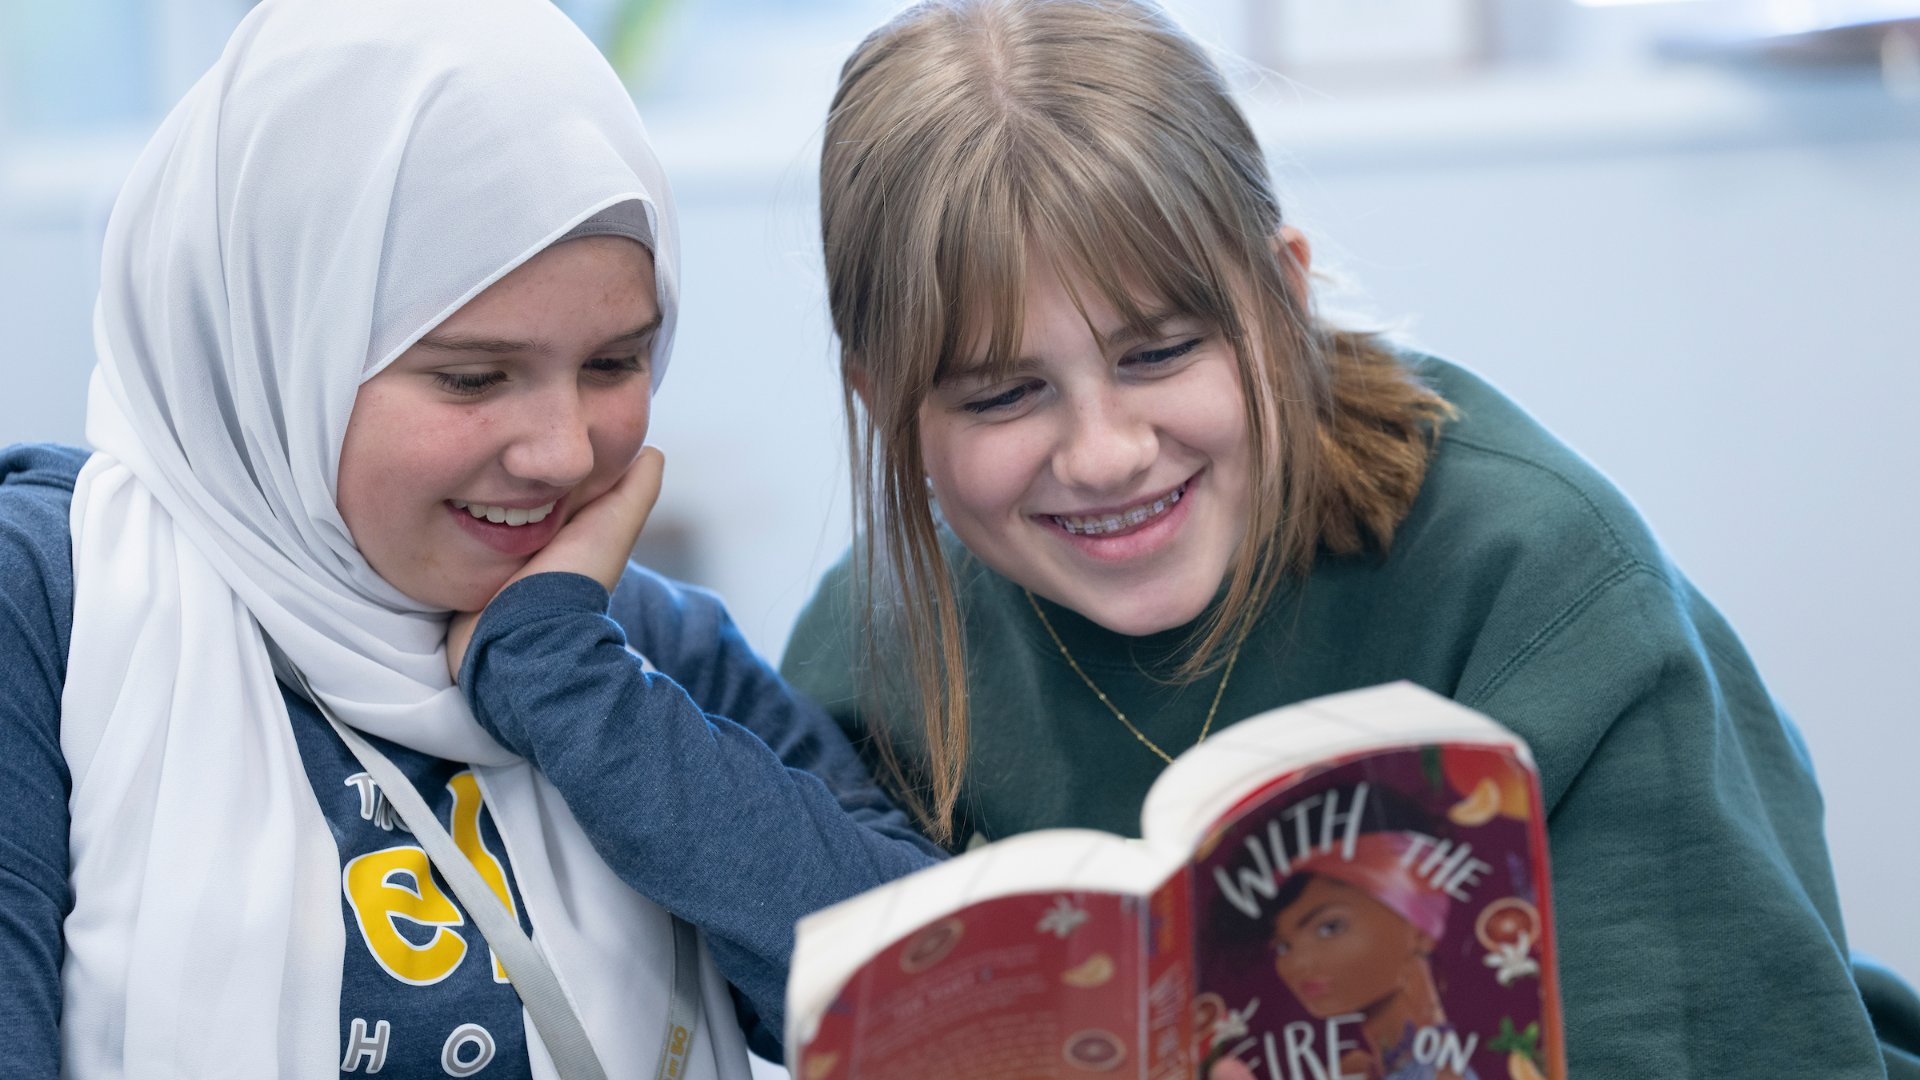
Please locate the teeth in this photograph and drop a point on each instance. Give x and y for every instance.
(1112, 523)
(501, 515)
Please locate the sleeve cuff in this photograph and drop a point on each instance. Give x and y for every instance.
(526, 601)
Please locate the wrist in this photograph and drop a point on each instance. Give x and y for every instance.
(519, 603)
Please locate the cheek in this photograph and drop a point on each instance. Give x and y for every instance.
(401, 455)
(1215, 416)
(623, 420)
(619, 430)
(374, 445)
(984, 472)
(1377, 948)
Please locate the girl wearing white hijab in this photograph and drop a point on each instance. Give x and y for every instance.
(382, 307)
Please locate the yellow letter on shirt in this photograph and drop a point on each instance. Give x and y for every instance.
(378, 899)
(466, 836)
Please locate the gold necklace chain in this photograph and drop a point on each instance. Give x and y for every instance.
(1115, 709)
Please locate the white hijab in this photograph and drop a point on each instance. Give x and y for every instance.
(348, 174)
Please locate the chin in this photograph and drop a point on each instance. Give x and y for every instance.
(469, 593)
(1134, 624)
(1146, 614)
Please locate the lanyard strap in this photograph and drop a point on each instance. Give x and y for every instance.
(553, 1016)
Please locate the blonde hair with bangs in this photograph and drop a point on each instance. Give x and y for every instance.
(967, 135)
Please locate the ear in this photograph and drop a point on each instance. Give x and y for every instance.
(857, 379)
(1291, 248)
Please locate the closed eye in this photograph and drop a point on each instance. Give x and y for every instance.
(614, 368)
(1006, 399)
(469, 384)
(1152, 357)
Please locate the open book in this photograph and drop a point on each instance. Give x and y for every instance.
(1354, 886)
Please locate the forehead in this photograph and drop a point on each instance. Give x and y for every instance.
(1318, 892)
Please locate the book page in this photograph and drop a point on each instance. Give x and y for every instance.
(1205, 783)
(1385, 916)
(1029, 957)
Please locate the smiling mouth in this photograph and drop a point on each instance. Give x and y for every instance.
(503, 515)
(1121, 521)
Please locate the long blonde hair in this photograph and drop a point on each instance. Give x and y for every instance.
(965, 134)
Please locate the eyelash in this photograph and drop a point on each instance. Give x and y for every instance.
(1151, 358)
(616, 365)
(1002, 400)
(468, 385)
(463, 384)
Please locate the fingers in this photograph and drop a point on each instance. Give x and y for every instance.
(636, 493)
(595, 541)
(597, 538)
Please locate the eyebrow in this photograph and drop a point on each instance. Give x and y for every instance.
(438, 342)
(1151, 324)
(1311, 912)
(974, 368)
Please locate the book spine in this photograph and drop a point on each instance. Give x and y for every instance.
(1167, 931)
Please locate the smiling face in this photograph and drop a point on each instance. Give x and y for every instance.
(465, 455)
(1341, 951)
(1109, 471)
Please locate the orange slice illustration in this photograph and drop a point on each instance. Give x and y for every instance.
(1478, 807)
(1096, 971)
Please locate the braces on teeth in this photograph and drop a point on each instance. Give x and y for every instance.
(501, 515)
(1116, 522)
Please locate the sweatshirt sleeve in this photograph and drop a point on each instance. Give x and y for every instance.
(1688, 856)
(701, 778)
(35, 610)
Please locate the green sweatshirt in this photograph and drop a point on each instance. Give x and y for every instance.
(1698, 926)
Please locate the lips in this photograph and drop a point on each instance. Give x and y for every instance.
(518, 541)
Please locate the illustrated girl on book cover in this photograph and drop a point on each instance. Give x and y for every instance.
(1356, 935)
(1399, 921)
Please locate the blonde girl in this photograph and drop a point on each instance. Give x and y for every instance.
(1119, 485)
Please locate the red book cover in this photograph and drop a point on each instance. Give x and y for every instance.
(1385, 916)
(1038, 984)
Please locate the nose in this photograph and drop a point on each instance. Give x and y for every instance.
(552, 442)
(1108, 446)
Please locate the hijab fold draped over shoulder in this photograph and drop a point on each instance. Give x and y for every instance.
(348, 174)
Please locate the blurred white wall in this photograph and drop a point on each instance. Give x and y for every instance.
(1705, 281)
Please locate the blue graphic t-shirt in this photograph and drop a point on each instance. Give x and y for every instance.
(420, 991)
